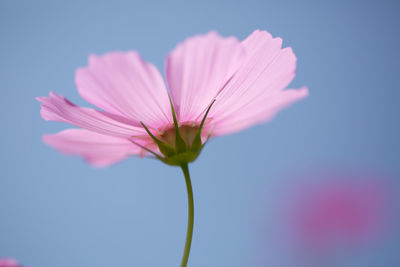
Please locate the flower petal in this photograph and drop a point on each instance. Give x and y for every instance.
(267, 109)
(254, 93)
(58, 108)
(123, 83)
(97, 149)
(198, 69)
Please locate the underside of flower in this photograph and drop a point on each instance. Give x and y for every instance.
(247, 78)
(180, 144)
(187, 132)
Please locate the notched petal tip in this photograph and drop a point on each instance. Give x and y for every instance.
(45, 107)
(296, 94)
(260, 34)
(93, 58)
(212, 34)
(40, 98)
(303, 91)
(43, 99)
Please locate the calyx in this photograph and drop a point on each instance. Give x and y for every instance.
(180, 144)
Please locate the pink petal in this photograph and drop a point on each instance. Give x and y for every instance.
(97, 149)
(198, 69)
(254, 94)
(267, 110)
(58, 108)
(123, 83)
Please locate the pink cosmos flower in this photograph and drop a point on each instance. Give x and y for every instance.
(216, 86)
(243, 81)
(8, 263)
(329, 217)
(341, 212)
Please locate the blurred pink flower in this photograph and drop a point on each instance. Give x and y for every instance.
(8, 263)
(340, 211)
(246, 79)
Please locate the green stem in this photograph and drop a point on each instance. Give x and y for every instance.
(189, 232)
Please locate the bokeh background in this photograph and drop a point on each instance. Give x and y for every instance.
(57, 211)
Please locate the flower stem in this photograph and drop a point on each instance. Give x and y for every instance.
(189, 231)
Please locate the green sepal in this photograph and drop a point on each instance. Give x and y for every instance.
(208, 137)
(196, 145)
(180, 144)
(165, 148)
(146, 149)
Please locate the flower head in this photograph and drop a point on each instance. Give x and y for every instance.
(216, 86)
(341, 210)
